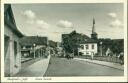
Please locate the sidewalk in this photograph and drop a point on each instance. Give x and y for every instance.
(104, 63)
(37, 69)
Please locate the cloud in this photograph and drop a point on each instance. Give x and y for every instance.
(29, 14)
(42, 24)
(65, 24)
(30, 21)
(31, 18)
(116, 23)
(113, 15)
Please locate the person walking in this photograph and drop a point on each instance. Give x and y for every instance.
(121, 58)
(92, 55)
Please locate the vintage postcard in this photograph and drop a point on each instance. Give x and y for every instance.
(64, 41)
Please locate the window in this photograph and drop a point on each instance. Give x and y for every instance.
(86, 46)
(87, 53)
(82, 46)
(15, 49)
(92, 46)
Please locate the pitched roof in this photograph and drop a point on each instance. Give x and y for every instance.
(89, 41)
(11, 21)
(52, 43)
(30, 40)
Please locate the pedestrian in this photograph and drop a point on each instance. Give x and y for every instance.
(121, 58)
(92, 55)
(72, 55)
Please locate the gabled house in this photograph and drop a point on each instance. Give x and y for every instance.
(12, 53)
(88, 47)
(108, 52)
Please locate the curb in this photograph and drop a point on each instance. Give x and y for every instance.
(47, 65)
(26, 60)
(101, 64)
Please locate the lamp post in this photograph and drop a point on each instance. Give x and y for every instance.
(101, 48)
(34, 49)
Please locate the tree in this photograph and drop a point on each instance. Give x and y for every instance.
(115, 45)
(71, 41)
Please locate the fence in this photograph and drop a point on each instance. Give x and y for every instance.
(102, 58)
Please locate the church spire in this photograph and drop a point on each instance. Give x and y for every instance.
(93, 27)
(94, 34)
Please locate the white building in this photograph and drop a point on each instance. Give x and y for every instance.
(88, 47)
(12, 54)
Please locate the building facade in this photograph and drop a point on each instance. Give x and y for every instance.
(88, 48)
(12, 54)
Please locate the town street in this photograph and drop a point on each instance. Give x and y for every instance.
(65, 67)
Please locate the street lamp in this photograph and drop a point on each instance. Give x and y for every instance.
(101, 48)
(34, 49)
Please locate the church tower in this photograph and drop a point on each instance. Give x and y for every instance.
(94, 34)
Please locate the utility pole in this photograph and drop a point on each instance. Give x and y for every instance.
(34, 49)
(101, 48)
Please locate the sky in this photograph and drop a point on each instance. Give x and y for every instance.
(54, 19)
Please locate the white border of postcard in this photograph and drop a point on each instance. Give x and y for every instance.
(65, 79)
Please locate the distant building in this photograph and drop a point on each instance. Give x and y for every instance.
(12, 51)
(52, 47)
(59, 49)
(33, 44)
(88, 47)
(108, 52)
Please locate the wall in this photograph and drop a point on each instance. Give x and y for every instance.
(12, 64)
(89, 50)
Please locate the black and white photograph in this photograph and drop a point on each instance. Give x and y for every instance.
(64, 40)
